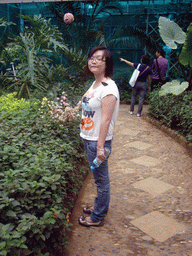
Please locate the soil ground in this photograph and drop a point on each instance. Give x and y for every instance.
(150, 210)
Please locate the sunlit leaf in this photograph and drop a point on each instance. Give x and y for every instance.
(171, 33)
(173, 87)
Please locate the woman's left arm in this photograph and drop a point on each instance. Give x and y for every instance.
(108, 104)
(149, 82)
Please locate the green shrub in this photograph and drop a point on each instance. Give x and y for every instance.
(122, 81)
(5, 83)
(173, 111)
(11, 106)
(42, 164)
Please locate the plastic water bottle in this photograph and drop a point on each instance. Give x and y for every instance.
(96, 162)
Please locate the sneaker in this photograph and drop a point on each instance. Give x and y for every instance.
(131, 112)
(138, 114)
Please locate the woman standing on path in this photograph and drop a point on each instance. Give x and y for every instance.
(100, 107)
(140, 86)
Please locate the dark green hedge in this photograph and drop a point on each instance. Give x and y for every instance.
(41, 170)
(173, 111)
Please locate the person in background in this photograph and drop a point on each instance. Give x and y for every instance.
(159, 67)
(100, 107)
(140, 86)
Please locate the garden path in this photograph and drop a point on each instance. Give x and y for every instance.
(150, 210)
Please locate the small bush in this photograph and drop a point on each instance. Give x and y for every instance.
(173, 111)
(10, 106)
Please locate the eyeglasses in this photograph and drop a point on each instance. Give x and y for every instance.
(97, 60)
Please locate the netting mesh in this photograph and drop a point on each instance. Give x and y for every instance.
(130, 27)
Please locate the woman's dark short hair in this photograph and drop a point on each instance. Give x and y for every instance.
(108, 60)
(161, 51)
(145, 59)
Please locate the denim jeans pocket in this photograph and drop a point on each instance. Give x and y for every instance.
(91, 148)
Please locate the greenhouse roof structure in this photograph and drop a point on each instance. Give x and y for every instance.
(35, 7)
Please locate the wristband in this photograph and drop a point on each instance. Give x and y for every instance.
(100, 149)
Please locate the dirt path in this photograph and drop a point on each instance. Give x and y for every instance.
(150, 210)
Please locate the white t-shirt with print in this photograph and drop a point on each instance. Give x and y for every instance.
(92, 110)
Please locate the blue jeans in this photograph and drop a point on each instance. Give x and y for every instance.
(102, 182)
(139, 88)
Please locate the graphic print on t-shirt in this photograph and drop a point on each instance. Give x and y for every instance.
(86, 122)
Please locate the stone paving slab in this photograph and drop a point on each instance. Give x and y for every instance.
(139, 145)
(130, 132)
(153, 186)
(159, 226)
(146, 160)
(122, 168)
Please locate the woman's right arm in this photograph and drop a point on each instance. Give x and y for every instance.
(128, 62)
(108, 105)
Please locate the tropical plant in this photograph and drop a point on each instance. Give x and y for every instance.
(130, 36)
(4, 25)
(186, 54)
(42, 44)
(173, 87)
(34, 50)
(173, 35)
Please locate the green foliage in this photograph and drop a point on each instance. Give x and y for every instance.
(131, 36)
(122, 80)
(173, 111)
(4, 23)
(86, 31)
(31, 65)
(34, 50)
(5, 83)
(186, 54)
(10, 106)
(41, 165)
(3, 37)
(173, 87)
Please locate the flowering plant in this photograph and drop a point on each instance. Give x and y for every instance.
(61, 110)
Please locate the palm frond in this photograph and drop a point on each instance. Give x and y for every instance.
(129, 42)
(76, 58)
